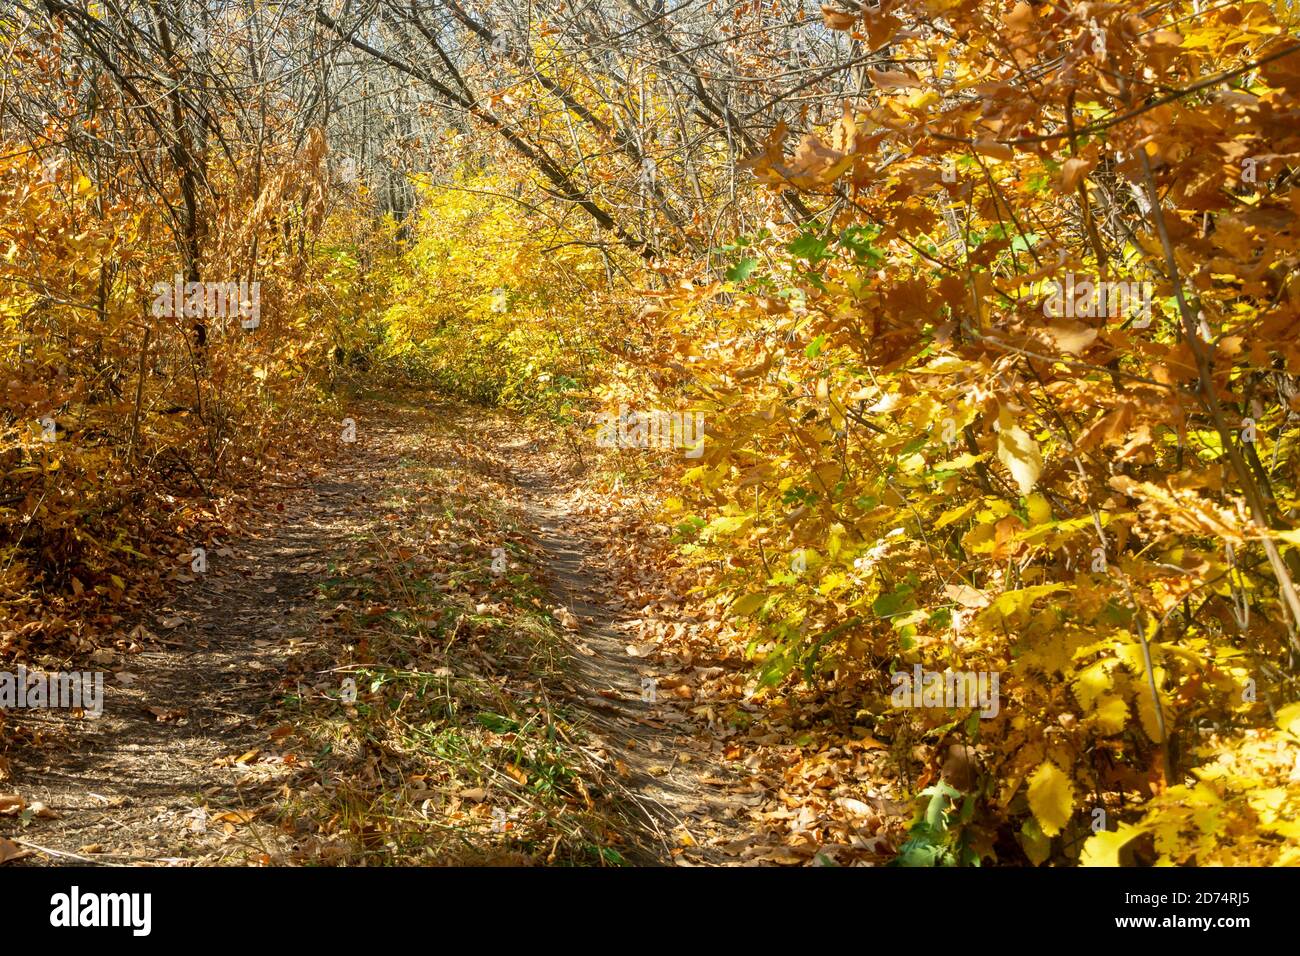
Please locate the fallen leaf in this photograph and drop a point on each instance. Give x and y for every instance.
(41, 811)
(856, 806)
(11, 851)
(238, 817)
(166, 713)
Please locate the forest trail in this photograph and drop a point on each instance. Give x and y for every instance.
(679, 782)
(902, 464)
(191, 760)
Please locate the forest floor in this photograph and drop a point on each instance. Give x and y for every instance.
(438, 651)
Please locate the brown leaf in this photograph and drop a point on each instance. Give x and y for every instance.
(1073, 171)
(966, 596)
(42, 812)
(166, 713)
(11, 851)
(838, 19)
(1070, 336)
(238, 817)
(991, 147)
(893, 80)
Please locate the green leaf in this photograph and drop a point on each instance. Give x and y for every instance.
(895, 602)
(858, 239)
(742, 270)
(774, 670)
(936, 812)
(1036, 844)
(497, 723)
(808, 247)
(1024, 243)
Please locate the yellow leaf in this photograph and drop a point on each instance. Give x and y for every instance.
(832, 582)
(912, 464)
(1051, 797)
(1017, 602)
(1092, 683)
(1102, 849)
(1039, 508)
(828, 473)
(1288, 718)
(1146, 704)
(956, 514)
(1111, 715)
(1019, 453)
(960, 463)
(944, 365)
(924, 99)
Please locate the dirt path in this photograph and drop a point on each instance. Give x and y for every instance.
(148, 780)
(675, 772)
(180, 759)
